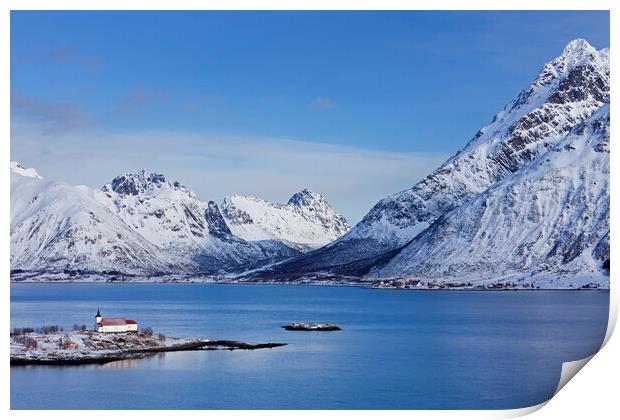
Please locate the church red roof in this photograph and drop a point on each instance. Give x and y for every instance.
(116, 321)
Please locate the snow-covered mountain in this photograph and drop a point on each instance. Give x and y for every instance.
(567, 91)
(305, 222)
(140, 223)
(547, 223)
(56, 227)
(172, 217)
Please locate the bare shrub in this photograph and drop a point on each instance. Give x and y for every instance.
(19, 338)
(148, 331)
(49, 329)
(30, 343)
(161, 337)
(22, 331)
(67, 343)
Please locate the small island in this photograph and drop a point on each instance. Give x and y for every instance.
(83, 347)
(112, 339)
(309, 326)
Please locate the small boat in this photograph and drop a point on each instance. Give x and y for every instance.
(308, 326)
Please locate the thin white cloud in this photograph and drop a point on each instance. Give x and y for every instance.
(72, 56)
(353, 179)
(322, 102)
(137, 99)
(52, 118)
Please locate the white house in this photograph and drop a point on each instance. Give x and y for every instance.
(114, 325)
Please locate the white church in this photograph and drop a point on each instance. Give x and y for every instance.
(114, 325)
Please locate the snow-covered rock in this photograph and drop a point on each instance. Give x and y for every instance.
(566, 92)
(305, 222)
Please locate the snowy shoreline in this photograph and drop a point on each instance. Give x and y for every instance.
(89, 347)
(587, 284)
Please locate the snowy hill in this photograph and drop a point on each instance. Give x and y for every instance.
(57, 227)
(305, 223)
(566, 92)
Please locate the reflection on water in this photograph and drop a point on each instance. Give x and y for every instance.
(397, 349)
(119, 364)
(133, 362)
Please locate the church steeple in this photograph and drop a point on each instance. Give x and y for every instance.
(98, 317)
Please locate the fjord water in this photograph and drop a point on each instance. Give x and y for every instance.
(397, 349)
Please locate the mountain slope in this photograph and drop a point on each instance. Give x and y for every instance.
(17, 168)
(56, 227)
(566, 92)
(306, 222)
(548, 222)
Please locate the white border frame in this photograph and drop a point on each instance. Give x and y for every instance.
(598, 385)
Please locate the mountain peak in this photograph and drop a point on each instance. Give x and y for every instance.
(305, 197)
(580, 72)
(578, 46)
(575, 53)
(23, 171)
(305, 223)
(138, 182)
(135, 183)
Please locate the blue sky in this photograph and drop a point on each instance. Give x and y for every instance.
(355, 105)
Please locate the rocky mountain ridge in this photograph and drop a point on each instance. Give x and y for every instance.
(138, 224)
(307, 221)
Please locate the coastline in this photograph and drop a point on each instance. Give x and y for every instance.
(88, 347)
(361, 285)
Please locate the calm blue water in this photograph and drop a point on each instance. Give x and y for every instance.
(398, 349)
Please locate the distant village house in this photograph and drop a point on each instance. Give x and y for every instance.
(114, 325)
